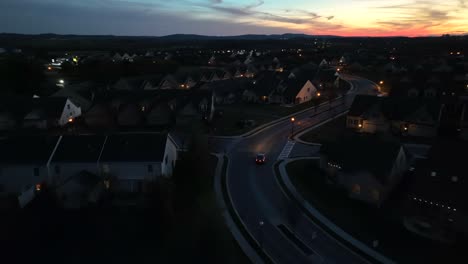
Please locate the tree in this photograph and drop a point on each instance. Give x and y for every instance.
(20, 75)
(192, 172)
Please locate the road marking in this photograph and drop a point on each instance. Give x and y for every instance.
(286, 150)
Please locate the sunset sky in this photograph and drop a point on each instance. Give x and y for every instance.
(234, 17)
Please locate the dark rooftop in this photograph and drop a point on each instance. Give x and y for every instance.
(30, 149)
(449, 184)
(83, 148)
(134, 147)
(356, 153)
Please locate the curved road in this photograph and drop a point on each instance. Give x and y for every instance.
(257, 196)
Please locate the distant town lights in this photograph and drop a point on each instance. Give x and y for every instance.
(61, 81)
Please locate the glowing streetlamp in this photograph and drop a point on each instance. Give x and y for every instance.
(292, 125)
(260, 227)
(381, 82)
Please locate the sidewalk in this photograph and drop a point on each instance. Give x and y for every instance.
(245, 245)
(292, 192)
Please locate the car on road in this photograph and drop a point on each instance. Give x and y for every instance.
(260, 158)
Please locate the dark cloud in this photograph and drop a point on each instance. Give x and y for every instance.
(257, 4)
(120, 19)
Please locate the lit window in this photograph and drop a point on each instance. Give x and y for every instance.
(356, 188)
(107, 184)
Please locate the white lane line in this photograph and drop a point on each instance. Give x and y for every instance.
(286, 150)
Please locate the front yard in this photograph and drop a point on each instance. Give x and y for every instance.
(367, 223)
(327, 132)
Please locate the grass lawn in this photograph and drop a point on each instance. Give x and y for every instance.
(367, 223)
(327, 132)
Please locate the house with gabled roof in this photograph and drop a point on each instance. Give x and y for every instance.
(130, 83)
(23, 165)
(401, 115)
(262, 87)
(297, 88)
(47, 112)
(368, 168)
(75, 154)
(130, 161)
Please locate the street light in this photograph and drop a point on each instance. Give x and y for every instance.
(260, 240)
(292, 125)
(381, 82)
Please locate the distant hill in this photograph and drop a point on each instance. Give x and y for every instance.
(175, 37)
(245, 37)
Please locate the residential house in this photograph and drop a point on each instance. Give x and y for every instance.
(366, 167)
(117, 57)
(159, 115)
(210, 75)
(296, 89)
(262, 87)
(152, 82)
(47, 112)
(75, 97)
(130, 115)
(23, 165)
(100, 115)
(74, 169)
(130, 84)
(199, 105)
(129, 161)
(437, 205)
(73, 155)
(326, 79)
(227, 91)
(404, 116)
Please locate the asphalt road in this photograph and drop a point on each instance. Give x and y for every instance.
(257, 196)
